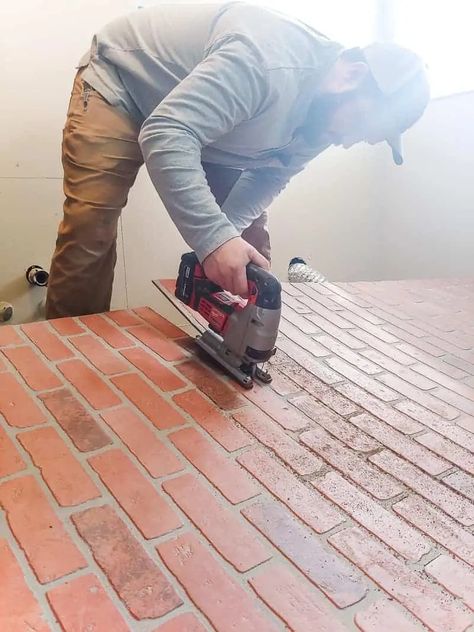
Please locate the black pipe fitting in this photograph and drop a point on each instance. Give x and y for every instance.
(36, 275)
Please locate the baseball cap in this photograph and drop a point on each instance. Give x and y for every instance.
(401, 77)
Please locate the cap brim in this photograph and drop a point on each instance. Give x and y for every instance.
(395, 143)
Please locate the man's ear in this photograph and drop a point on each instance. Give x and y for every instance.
(351, 76)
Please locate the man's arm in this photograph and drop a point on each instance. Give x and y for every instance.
(254, 191)
(225, 89)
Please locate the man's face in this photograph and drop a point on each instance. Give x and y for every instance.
(354, 119)
(349, 108)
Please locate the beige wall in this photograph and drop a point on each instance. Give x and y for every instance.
(350, 213)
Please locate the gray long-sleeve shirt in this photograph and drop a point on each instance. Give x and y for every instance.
(226, 84)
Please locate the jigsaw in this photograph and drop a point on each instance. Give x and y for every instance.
(241, 333)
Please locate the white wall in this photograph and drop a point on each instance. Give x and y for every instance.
(40, 43)
(426, 208)
(347, 213)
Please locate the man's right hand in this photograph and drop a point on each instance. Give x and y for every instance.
(226, 265)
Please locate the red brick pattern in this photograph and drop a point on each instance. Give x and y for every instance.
(83, 604)
(19, 609)
(141, 489)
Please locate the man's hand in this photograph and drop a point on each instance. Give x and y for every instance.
(226, 265)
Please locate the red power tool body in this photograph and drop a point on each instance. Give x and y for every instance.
(242, 332)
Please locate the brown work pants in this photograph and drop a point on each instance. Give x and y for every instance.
(101, 158)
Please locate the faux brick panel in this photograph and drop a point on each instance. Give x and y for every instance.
(453, 504)
(383, 615)
(376, 519)
(124, 318)
(349, 356)
(225, 474)
(440, 378)
(319, 293)
(455, 576)
(460, 363)
(74, 419)
(303, 326)
(339, 334)
(287, 449)
(9, 336)
(231, 536)
(295, 305)
(331, 574)
(61, 471)
(261, 481)
(302, 608)
(32, 368)
(350, 306)
(435, 422)
(140, 439)
(10, 459)
(207, 382)
(367, 383)
(404, 446)
(372, 405)
(456, 401)
(89, 384)
(466, 422)
(280, 384)
(292, 290)
(326, 313)
(99, 355)
(153, 369)
(152, 404)
(66, 326)
(449, 450)
(182, 623)
(302, 340)
(158, 322)
(47, 342)
(438, 526)
(442, 343)
(375, 330)
(461, 482)
(135, 494)
(366, 475)
(108, 332)
(402, 371)
(224, 602)
(419, 396)
(19, 610)
(433, 607)
(310, 363)
(41, 535)
(381, 347)
(304, 501)
(429, 360)
(135, 577)
(405, 324)
(325, 394)
(419, 343)
(166, 349)
(220, 427)
(16, 405)
(82, 604)
(278, 409)
(340, 428)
